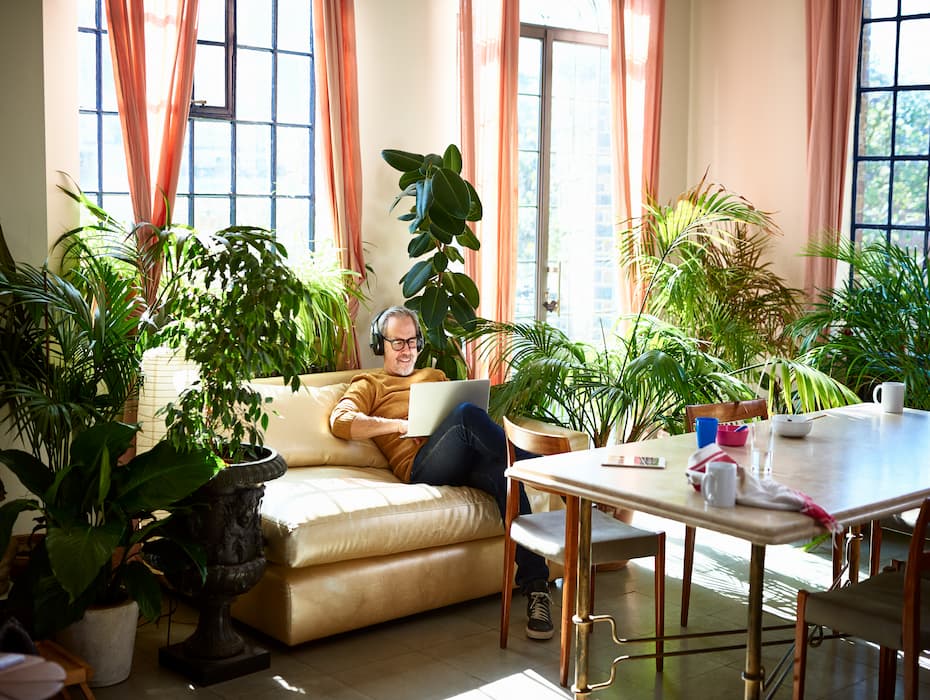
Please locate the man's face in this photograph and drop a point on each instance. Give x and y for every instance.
(400, 362)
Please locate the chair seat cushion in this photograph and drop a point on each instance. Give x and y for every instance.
(870, 610)
(611, 539)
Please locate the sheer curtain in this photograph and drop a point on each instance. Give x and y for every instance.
(832, 55)
(489, 39)
(339, 153)
(152, 46)
(636, 45)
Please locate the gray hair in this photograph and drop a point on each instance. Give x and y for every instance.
(396, 312)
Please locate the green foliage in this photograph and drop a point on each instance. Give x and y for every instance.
(703, 255)
(631, 388)
(444, 297)
(88, 509)
(874, 328)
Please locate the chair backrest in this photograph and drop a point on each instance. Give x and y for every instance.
(726, 412)
(532, 441)
(918, 565)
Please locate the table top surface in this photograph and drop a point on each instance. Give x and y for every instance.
(858, 463)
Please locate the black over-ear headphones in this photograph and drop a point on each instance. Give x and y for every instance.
(376, 340)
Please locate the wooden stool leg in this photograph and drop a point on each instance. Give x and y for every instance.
(660, 601)
(569, 587)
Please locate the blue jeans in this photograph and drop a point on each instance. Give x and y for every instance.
(470, 449)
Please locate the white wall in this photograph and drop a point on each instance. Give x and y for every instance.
(408, 100)
(747, 114)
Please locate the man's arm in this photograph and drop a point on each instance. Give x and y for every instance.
(348, 422)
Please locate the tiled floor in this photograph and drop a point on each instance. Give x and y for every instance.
(453, 652)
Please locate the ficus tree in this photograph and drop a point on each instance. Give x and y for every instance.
(436, 286)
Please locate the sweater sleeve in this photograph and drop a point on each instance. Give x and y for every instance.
(358, 398)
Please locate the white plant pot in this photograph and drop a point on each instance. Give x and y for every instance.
(105, 639)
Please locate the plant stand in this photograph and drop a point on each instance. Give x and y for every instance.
(228, 524)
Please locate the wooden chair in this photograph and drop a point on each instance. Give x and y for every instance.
(729, 412)
(547, 535)
(891, 609)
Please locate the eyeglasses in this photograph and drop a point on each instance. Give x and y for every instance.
(399, 343)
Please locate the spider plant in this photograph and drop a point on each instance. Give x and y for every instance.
(876, 327)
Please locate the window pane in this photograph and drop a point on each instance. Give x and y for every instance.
(211, 213)
(114, 178)
(530, 57)
(107, 87)
(211, 158)
(181, 213)
(525, 306)
(253, 23)
(253, 159)
(293, 224)
(591, 16)
(528, 123)
(528, 165)
(526, 234)
(909, 239)
(914, 60)
(119, 206)
(879, 8)
(878, 49)
(294, 25)
(87, 13)
(211, 22)
(293, 174)
(253, 211)
(872, 198)
(293, 89)
(87, 70)
(88, 176)
(912, 123)
(869, 236)
(253, 85)
(909, 196)
(184, 181)
(210, 75)
(915, 7)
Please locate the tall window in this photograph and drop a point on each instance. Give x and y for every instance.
(892, 133)
(566, 260)
(249, 151)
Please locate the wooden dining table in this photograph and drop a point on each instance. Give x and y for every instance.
(857, 463)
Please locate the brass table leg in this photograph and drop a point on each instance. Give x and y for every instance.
(582, 618)
(754, 673)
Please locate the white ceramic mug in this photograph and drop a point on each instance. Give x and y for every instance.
(719, 484)
(890, 395)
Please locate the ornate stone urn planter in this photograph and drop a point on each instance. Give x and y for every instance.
(227, 523)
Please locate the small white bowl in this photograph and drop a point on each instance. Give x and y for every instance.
(791, 426)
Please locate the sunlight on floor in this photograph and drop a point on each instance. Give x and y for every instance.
(527, 684)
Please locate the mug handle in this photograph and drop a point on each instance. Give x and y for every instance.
(875, 394)
(707, 486)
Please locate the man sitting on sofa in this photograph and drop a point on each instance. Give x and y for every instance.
(467, 449)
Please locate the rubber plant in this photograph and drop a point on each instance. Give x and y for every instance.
(435, 286)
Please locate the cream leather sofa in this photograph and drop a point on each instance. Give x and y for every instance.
(348, 544)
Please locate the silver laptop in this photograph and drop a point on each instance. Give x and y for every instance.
(431, 402)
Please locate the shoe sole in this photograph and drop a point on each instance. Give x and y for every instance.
(537, 634)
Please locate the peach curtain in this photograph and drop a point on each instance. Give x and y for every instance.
(339, 153)
(833, 28)
(153, 47)
(636, 47)
(489, 39)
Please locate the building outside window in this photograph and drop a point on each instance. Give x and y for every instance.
(248, 156)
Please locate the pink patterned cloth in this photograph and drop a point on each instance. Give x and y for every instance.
(758, 493)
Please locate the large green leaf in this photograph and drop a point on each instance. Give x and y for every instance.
(424, 197)
(469, 240)
(78, 552)
(417, 277)
(462, 312)
(402, 160)
(162, 476)
(467, 288)
(420, 244)
(440, 261)
(434, 307)
(144, 588)
(449, 225)
(9, 512)
(476, 211)
(452, 158)
(450, 193)
(408, 178)
(34, 475)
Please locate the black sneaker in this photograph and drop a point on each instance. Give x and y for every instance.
(538, 610)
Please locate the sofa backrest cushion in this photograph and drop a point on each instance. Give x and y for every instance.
(298, 427)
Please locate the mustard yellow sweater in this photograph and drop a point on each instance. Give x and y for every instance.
(386, 396)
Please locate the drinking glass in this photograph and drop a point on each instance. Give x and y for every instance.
(761, 443)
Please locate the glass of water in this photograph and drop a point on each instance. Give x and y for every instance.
(761, 443)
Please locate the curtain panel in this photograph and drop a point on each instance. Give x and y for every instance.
(339, 152)
(152, 45)
(833, 28)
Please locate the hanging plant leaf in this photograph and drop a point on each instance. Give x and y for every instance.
(402, 160)
(451, 193)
